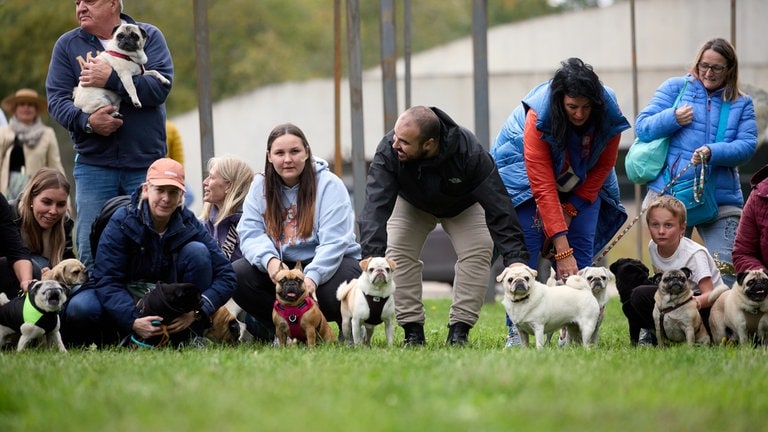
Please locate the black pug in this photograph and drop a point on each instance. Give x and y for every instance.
(170, 301)
(630, 273)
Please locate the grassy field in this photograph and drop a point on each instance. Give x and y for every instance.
(481, 387)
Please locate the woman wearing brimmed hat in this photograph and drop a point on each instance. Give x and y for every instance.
(26, 144)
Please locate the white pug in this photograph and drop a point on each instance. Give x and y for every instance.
(537, 309)
(125, 53)
(34, 315)
(367, 301)
(743, 310)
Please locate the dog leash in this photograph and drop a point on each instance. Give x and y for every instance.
(632, 223)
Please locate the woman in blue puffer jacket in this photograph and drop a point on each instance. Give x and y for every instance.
(693, 127)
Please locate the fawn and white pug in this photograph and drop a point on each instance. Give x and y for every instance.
(675, 314)
(295, 315)
(34, 315)
(69, 272)
(538, 309)
(125, 53)
(742, 311)
(367, 301)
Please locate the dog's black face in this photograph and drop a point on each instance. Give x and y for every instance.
(291, 288)
(630, 274)
(48, 295)
(129, 37)
(170, 300)
(675, 282)
(754, 284)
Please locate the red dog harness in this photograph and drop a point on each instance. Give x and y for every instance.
(293, 315)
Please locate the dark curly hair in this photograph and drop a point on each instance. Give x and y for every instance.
(574, 79)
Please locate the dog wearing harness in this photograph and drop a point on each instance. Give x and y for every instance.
(34, 315)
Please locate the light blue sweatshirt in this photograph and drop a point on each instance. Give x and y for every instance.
(333, 235)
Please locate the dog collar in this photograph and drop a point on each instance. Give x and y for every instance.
(124, 57)
(519, 300)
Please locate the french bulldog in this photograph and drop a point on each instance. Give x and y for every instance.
(367, 302)
(296, 316)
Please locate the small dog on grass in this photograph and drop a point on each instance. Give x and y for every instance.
(34, 315)
(296, 316)
(367, 301)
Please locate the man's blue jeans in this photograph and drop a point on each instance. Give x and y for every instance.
(94, 185)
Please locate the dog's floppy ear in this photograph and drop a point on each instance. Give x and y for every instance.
(364, 263)
(656, 278)
(740, 276)
(115, 28)
(687, 272)
(392, 264)
(143, 32)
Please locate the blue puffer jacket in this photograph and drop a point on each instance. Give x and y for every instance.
(740, 141)
(130, 250)
(507, 150)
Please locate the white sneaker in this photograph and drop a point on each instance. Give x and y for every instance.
(563, 338)
(513, 338)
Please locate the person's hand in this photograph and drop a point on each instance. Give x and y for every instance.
(182, 322)
(25, 284)
(144, 328)
(95, 73)
(273, 267)
(566, 267)
(684, 115)
(701, 155)
(44, 270)
(102, 121)
(311, 287)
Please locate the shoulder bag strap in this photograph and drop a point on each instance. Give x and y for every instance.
(680, 95)
(723, 122)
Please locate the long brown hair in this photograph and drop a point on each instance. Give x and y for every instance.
(721, 46)
(305, 206)
(31, 232)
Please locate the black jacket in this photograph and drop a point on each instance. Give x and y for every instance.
(461, 175)
(11, 246)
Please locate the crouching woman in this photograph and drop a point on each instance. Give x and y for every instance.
(154, 238)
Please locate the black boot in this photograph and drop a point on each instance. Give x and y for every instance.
(458, 333)
(414, 334)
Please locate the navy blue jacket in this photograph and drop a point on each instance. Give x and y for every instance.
(131, 250)
(141, 139)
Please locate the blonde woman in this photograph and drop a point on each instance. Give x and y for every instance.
(224, 191)
(43, 220)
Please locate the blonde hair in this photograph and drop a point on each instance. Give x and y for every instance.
(239, 175)
(31, 232)
(669, 203)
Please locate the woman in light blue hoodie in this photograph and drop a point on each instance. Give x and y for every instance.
(297, 210)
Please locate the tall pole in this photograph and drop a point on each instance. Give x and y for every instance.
(388, 63)
(636, 107)
(356, 103)
(480, 55)
(407, 20)
(337, 161)
(203, 83)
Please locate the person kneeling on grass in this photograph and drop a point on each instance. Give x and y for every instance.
(154, 238)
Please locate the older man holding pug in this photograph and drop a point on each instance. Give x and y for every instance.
(430, 170)
(112, 152)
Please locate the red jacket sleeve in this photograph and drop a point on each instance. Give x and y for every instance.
(541, 175)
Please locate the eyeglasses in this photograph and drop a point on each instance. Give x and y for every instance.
(716, 68)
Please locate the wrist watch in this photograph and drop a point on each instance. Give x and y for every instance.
(88, 128)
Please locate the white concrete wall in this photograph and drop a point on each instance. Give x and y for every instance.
(669, 33)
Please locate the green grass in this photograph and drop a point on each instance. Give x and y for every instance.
(437, 388)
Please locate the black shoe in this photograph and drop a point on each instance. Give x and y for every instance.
(414, 334)
(458, 333)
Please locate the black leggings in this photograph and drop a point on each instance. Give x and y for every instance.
(256, 292)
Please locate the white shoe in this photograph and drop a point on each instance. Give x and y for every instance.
(513, 338)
